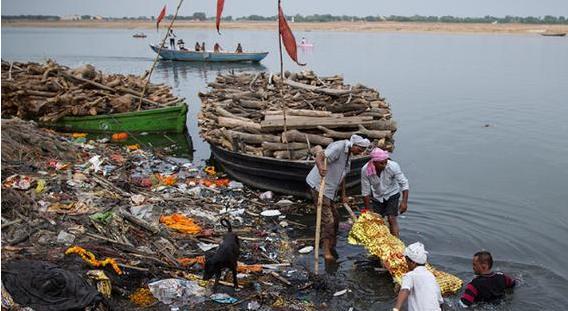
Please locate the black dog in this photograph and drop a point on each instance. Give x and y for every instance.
(226, 256)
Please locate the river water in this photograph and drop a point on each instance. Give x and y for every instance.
(483, 138)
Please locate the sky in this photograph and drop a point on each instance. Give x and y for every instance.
(236, 8)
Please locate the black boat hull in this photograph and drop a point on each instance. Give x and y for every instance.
(282, 176)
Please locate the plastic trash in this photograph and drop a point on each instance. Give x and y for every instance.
(18, 182)
(235, 185)
(177, 291)
(284, 202)
(96, 162)
(104, 218)
(206, 246)
(306, 250)
(65, 238)
(223, 298)
(253, 305)
(270, 213)
(137, 199)
(341, 292)
(103, 282)
(268, 195)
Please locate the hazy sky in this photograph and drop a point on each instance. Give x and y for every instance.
(119, 8)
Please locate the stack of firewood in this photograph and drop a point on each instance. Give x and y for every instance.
(48, 92)
(263, 115)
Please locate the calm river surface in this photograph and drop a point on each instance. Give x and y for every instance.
(483, 137)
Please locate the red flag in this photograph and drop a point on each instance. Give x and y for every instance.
(287, 36)
(160, 17)
(220, 4)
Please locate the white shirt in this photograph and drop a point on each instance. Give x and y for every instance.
(338, 165)
(425, 293)
(384, 185)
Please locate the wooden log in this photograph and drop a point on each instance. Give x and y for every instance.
(383, 125)
(300, 112)
(280, 146)
(373, 133)
(312, 123)
(295, 154)
(225, 113)
(297, 136)
(252, 104)
(257, 139)
(327, 91)
(232, 123)
(335, 134)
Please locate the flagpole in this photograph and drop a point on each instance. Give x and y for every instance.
(280, 43)
(283, 103)
(158, 54)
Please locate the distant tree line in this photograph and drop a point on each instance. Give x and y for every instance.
(323, 18)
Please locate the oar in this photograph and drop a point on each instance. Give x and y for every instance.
(318, 220)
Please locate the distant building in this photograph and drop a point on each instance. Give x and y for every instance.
(70, 18)
(98, 17)
(293, 20)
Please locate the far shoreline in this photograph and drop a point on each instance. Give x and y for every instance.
(410, 27)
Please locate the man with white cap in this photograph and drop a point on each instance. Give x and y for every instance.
(419, 285)
(334, 163)
(382, 183)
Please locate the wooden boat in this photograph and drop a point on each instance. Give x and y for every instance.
(139, 35)
(168, 119)
(192, 56)
(283, 176)
(553, 34)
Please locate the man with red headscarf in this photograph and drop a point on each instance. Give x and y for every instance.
(382, 182)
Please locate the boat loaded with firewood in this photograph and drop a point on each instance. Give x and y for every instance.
(264, 130)
(86, 100)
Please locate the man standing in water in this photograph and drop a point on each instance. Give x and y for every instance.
(333, 164)
(419, 285)
(383, 179)
(486, 286)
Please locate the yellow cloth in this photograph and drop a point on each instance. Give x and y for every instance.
(371, 232)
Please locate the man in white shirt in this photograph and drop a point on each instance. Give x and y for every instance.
(419, 285)
(334, 164)
(382, 182)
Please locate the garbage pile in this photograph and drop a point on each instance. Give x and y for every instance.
(126, 228)
(263, 115)
(47, 92)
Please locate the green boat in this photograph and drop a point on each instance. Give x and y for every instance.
(160, 120)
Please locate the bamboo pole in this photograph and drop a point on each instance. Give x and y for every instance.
(158, 54)
(318, 220)
(283, 103)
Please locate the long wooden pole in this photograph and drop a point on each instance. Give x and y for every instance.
(284, 138)
(318, 220)
(158, 53)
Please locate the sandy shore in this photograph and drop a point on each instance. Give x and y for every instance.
(332, 26)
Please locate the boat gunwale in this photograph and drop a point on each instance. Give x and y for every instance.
(182, 108)
(164, 49)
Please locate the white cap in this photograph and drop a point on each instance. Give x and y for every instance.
(416, 253)
(359, 141)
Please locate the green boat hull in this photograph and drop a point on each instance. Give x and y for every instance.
(161, 120)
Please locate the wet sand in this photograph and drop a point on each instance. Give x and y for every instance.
(331, 26)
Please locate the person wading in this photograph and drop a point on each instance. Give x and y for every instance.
(333, 163)
(486, 286)
(419, 285)
(382, 182)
